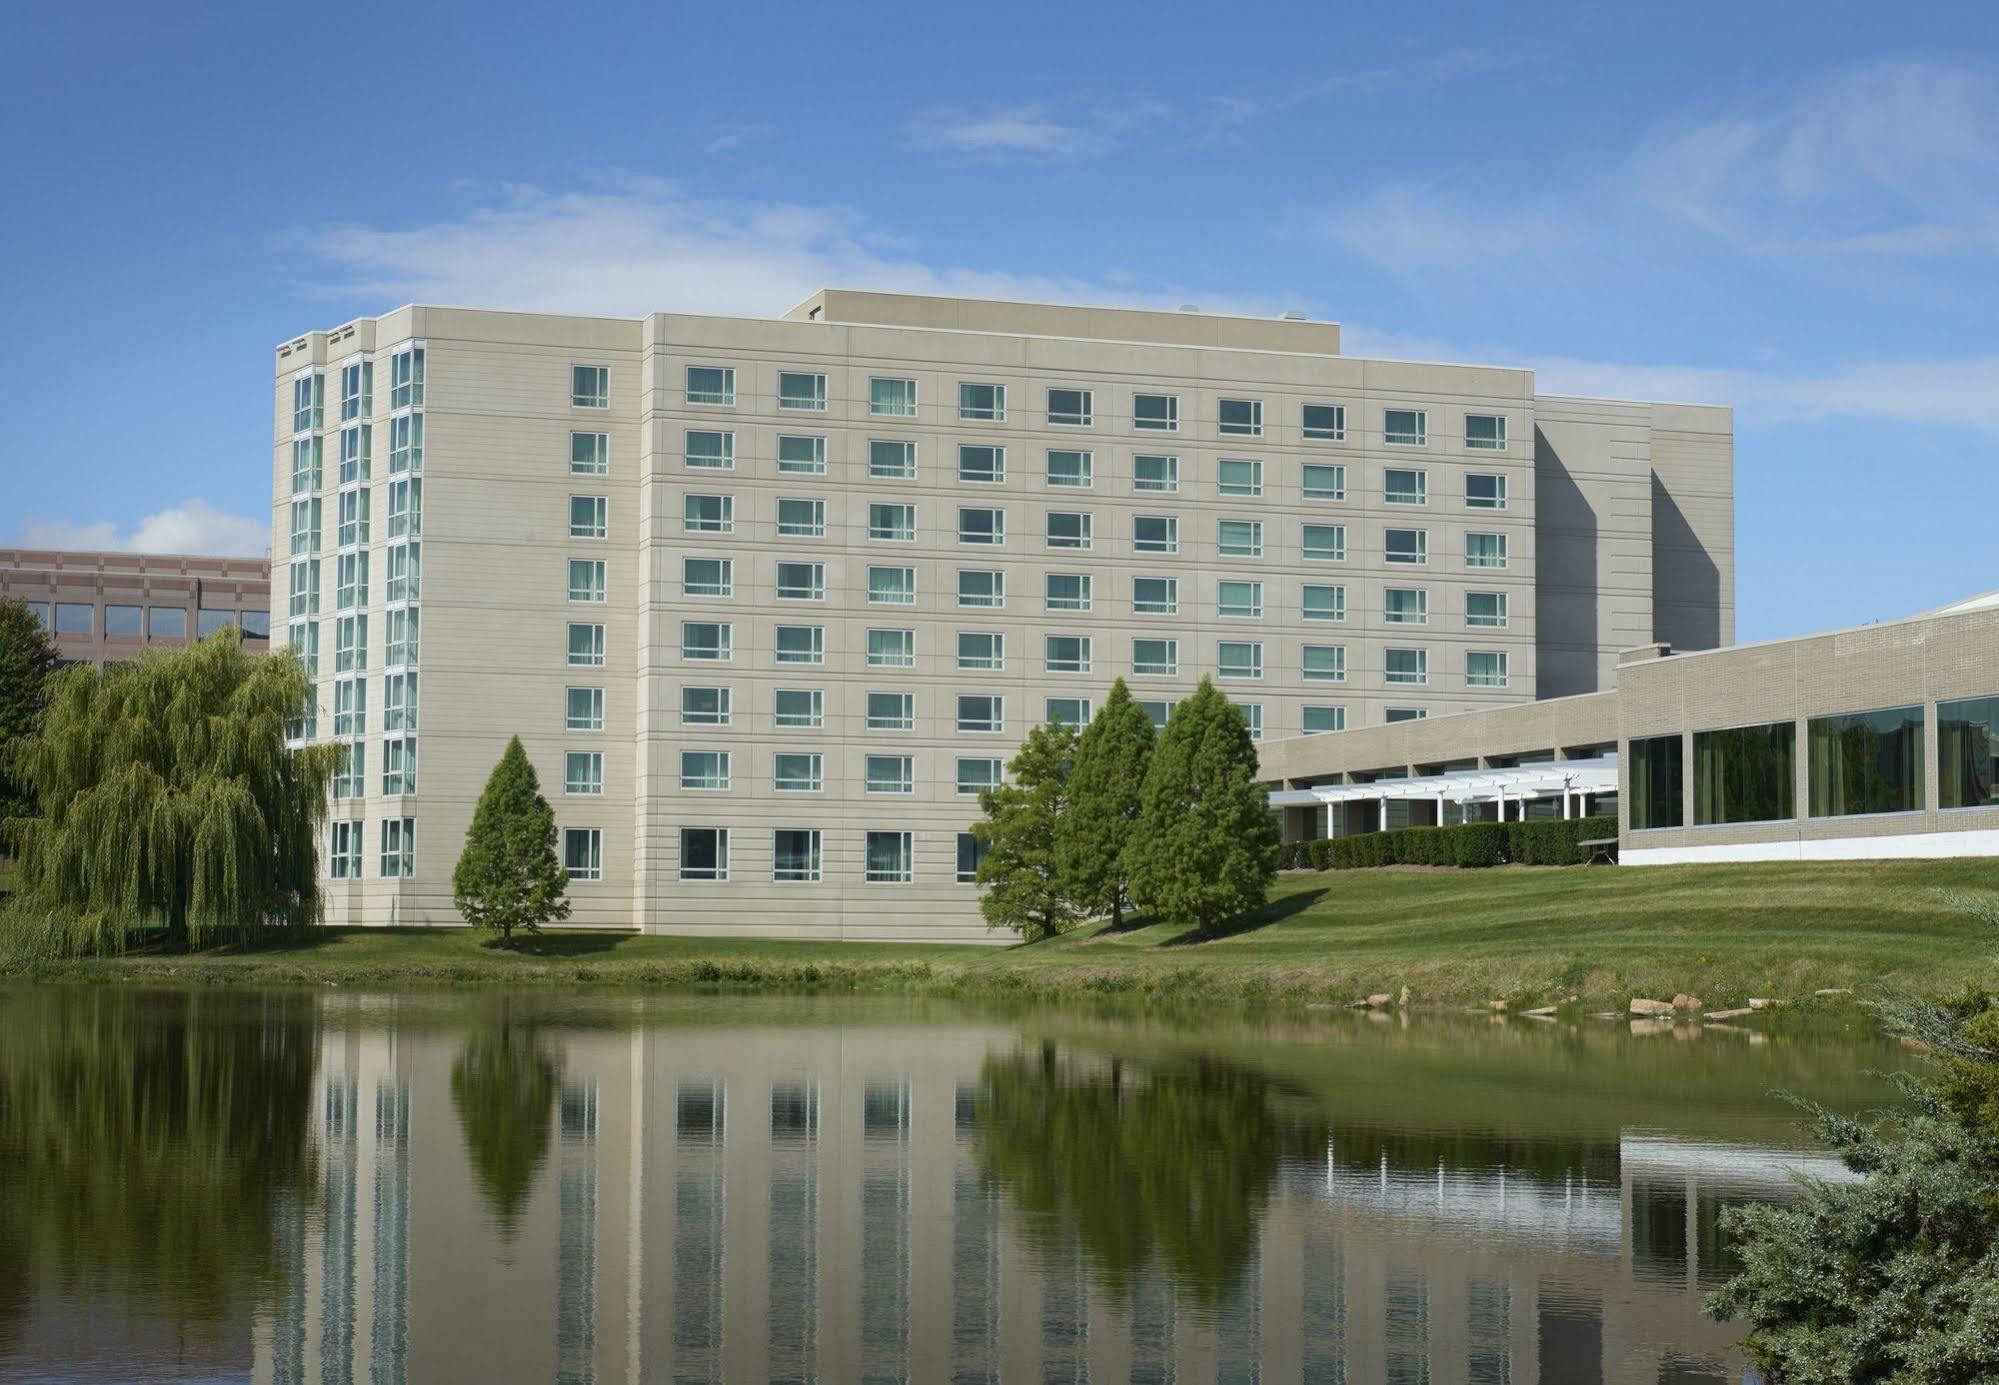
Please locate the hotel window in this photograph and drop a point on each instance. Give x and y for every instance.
(707, 576)
(1865, 762)
(1485, 550)
(406, 379)
(400, 646)
(1156, 412)
(706, 770)
(801, 709)
(797, 771)
(1405, 427)
(1326, 543)
(704, 853)
(1746, 774)
(1485, 668)
(1485, 610)
(1067, 653)
(1407, 666)
(1239, 538)
(982, 465)
(1484, 491)
(980, 712)
(1072, 469)
(1395, 714)
(1236, 476)
(308, 402)
(1160, 710)
(207, 621)
(351, 779)
(708, 384)
(589, 516)
(705, 640)
(890, 774)
(1069, 530)
(583, 853)
(1157, 658)
(583, 710)
(1405, 487)
(801, 390)
(583, 772)
(1655, 772)
(1485, 432)
(590, 386)
(405, 444)
(1240, 418)
(799, 644)
(350, 707)
(305, 526)
(801, 519)
(891, 711)
(982, 403)
(1968, 753)
(981, 650)
(704, 706)
(801, 454)
(891, 648)
(887, 858)
(807, 581)
(1071, 408)
(256, 625)
(405, 509)
(350, 587)
(981, 526)
(982, 588)
(892, 398)
(1069, 711)
(892, 586)
(125, 620)
(170, 622)
(971, 855)
(977, 774)
(1155, 533)
(1406, 546)
(1252, 717)
(399, 766)
(1239, 600)
(398, 848)
(308, 455)
(1318, 719)
(405, 575)
(1324, 663)
(892, 461)
(1324, 603)
(795, 855)
(1239, 660)
(1323, 481)
(1068, 591)
(586, 646)
(357, 390)
(589, 454)
(1405, 606)
(708, 450)
(892, 523)
(1325, 422)
(1155, 596)
(708, 514)
(357, 445)
(344, 857)
(587, 580)
(1152, 473)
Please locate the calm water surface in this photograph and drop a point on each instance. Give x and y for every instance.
(309, 1186)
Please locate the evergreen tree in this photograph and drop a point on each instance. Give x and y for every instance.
(508, 876)
(27, 672)
(1205, 848)
(1104, 802)
(1023, 821)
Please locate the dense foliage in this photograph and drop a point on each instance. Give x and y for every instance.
(165, 801)
(1024, 821)
(1894, 1277)
(508, 876)
(1104, 804)
(1542, 843)
(27, 673)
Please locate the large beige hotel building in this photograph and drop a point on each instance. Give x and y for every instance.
(768, 601)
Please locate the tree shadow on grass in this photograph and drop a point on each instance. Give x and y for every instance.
(1275, 911)
(560, 946)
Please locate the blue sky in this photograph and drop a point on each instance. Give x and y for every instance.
(1793, 209)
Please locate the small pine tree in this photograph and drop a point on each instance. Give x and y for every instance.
(27, 670)
(1205, 848)
(1104, 803)
(1022, 824)
(508, 876)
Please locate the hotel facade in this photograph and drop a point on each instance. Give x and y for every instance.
(768, 601)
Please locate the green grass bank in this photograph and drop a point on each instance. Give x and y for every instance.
(1527, 935)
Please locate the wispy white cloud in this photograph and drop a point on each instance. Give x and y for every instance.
(1408, 230)
(1031, 131)
(1960, 392)
(1225, 116)
(193, 526)
(728, 138)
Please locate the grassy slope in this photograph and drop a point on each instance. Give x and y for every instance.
(1721, 932)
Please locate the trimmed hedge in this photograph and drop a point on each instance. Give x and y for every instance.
(1544, 843)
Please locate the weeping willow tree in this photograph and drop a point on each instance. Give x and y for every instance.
(166, 804)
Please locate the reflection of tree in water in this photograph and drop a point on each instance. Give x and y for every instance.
(147, 1139)
(1167, 1163)
(503, 1087)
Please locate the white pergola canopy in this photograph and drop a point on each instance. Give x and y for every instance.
(1549, 780)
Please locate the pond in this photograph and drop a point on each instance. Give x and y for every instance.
(441, 1186)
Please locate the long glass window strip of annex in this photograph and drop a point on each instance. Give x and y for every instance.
(1865, 762)
(1746, 774)
(1654, 770)
(1968, 753)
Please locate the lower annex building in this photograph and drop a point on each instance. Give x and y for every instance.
(769, 601)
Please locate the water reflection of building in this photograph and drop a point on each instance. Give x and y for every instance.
(794, 1205)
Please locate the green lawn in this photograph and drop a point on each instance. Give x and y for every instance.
(1722, 933)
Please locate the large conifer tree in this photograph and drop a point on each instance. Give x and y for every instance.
(1023, 818)
(508, 876)
(1105, 797)
(27, 670)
